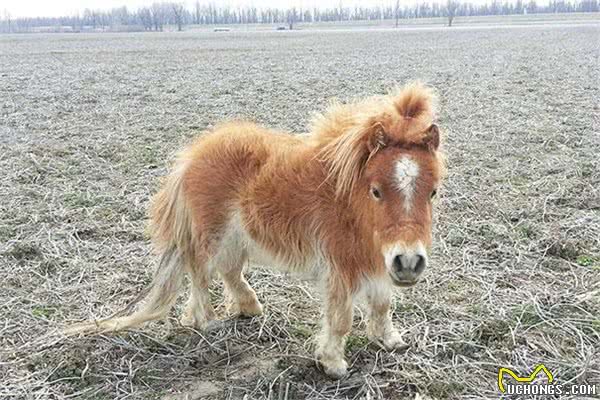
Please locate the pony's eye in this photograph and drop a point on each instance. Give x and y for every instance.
(433, 193)
(376, 193)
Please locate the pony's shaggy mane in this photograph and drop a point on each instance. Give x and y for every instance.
(349, 134)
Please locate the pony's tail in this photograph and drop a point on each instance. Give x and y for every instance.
(160, 296)
(173, 236)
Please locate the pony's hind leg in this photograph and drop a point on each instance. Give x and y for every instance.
(198, 310)
(230, 264)
(243, 300)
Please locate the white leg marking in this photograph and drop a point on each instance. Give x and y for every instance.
(380, 328)
(230, 263)
(336, 325)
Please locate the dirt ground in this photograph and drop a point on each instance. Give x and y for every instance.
(90, 122)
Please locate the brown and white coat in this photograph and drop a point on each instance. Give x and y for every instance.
(351, 201)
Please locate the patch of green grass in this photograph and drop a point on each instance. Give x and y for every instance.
(525, 314)
(443, 389)
(154, 395)
(148, 155)
(476, 308)
(107, 213)
(79, 200)
(6, 233)
(147, 232)
(62, 153)
(588, 261)
(527, 232)
(454, 286)
(565, 249)
(595, 326)
(354, 342)
(43, 311)
(301, 331)
(519, 181)
(493, 330)
(25, 251)
(402, 307)
(49, 266)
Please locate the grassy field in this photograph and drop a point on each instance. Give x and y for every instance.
(90, 122)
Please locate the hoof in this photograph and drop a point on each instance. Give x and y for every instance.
(335, 369)
(392, 341)
(252, 309)
(190, 321)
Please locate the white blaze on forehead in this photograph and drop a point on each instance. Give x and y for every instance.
(406, 171)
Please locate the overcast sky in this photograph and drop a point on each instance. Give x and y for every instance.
(53, 8)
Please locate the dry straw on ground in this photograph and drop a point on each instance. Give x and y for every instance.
(88, 124)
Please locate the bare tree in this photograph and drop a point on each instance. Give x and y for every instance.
(291, 17)
(119, 16)
(451, 8)
(8, 19)
(145, 16)
(197, 9)
(174, 12)
(178, 10)
(76, 22)
(90, 18)
(157, 11)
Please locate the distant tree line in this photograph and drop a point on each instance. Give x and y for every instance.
(161, 14)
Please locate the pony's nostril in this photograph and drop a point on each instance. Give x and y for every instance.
(420, 265)
(398, 263)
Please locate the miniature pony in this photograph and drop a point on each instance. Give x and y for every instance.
(350, 201)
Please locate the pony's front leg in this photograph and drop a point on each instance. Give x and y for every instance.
(380, 328)
(336, 325)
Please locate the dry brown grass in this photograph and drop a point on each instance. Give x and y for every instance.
(89, 123)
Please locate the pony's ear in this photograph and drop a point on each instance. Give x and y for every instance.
(377, 139)
(432, 137)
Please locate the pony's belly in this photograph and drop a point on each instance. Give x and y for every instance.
(261, 256)
(238, 235)
(270, 250)
(257, 255)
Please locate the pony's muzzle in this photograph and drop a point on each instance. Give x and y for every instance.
(405, 264)
(411, 263)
